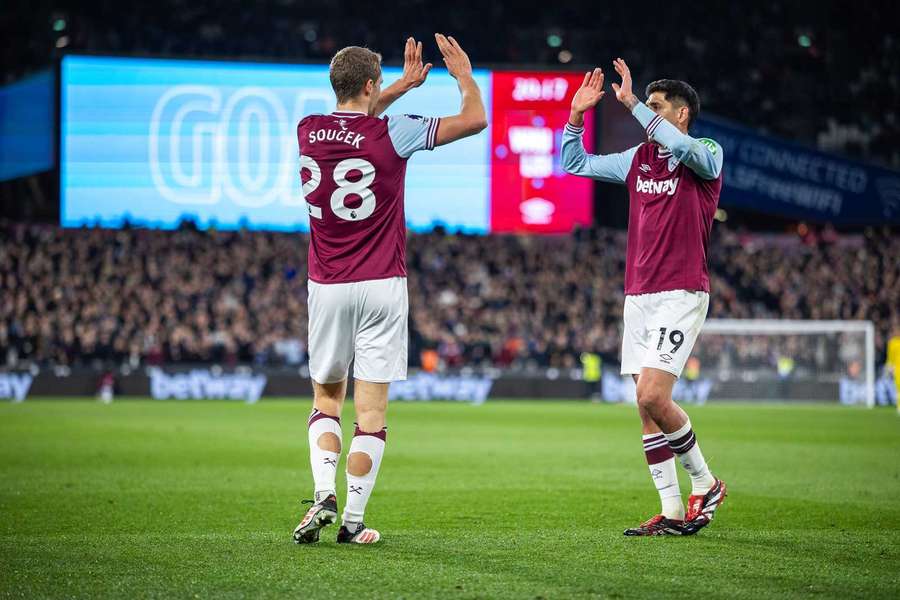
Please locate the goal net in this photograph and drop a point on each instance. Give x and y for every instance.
(783, 360)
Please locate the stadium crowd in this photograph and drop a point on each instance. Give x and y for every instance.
(143, 297)
(762, 63)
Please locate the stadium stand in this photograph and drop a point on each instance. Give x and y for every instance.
(140, 297)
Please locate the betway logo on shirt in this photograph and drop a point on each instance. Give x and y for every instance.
(652, 186)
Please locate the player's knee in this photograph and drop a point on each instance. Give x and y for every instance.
(359, 464)
(650, 397)
(329, 442)
(646, 417)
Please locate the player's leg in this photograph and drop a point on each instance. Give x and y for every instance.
(676, 319)
(324, 432)
(381, 357)
(660, 459)
(364, 459)
(661, 462)
(707, 492)
(330, 353)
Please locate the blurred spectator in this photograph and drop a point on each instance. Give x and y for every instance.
(106, 388)
(892, 364)
(691, 386)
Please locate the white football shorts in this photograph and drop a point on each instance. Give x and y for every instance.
(660, 330)
(365, 320)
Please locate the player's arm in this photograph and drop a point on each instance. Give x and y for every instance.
(414, 75)
(472, 117)
(703, 156)
(610, 167)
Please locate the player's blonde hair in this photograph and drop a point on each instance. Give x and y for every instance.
(351, 68)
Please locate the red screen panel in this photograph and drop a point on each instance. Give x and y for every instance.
(530, 193)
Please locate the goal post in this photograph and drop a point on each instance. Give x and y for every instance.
(789, 360)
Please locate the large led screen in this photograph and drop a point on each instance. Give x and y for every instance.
(152, 142)
(530, 192)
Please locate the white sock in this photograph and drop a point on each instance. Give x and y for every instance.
(360, 488)
(684, 445)
(662, 470)
(323, 462)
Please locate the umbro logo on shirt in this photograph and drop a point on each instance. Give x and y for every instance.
(652, 186)
(645, 167)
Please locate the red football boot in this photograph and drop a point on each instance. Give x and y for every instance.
(701, 509)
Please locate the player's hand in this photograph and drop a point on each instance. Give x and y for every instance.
(590, 92)
(623, 91)
(414, 72)
(455, 58)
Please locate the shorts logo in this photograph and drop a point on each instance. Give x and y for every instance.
(665, 358)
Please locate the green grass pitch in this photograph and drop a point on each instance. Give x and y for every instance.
(505, 500)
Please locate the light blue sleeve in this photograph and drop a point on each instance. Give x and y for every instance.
(606, 167)
(703, 156)
(411, 133)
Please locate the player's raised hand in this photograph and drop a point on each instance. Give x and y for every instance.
(414, 72)
(455, 58)
(590, 92)
(623, 91)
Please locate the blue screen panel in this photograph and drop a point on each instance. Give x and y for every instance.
(27, 122)
(154, 141)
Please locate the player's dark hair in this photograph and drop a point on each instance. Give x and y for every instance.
(676, 90)
(351, 68)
